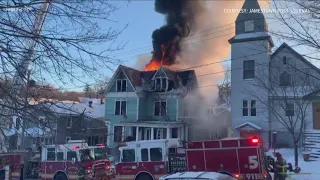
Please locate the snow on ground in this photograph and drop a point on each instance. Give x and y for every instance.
(309, 170)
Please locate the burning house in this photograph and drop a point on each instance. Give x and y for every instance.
(146, 105)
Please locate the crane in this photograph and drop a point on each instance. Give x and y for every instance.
(22, 68)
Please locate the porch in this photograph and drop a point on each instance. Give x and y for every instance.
(146, 131)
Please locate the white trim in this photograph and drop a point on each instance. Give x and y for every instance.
(154, 106)
(115, 106)
(177, 110)
(121, 94)
(158, 125)
(114, 78)
(138, 108)
(153, 77)
(121, 85)
(68, 137)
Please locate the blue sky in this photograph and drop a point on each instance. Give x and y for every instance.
(142, 20)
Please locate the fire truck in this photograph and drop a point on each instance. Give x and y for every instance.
(58, 162)
(240, 158)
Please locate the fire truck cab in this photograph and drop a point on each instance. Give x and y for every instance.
(74, 159)
(145, 160)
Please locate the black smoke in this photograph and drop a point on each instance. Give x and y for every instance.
(179, 17)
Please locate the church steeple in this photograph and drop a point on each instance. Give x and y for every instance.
(251, 19)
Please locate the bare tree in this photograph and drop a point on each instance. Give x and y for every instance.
(75, 40)
(288, 108)
(225, 90)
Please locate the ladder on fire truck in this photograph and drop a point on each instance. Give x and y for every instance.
(22, 68)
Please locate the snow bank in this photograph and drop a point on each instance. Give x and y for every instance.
(309, 170)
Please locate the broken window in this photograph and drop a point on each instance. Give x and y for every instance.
(160, 108)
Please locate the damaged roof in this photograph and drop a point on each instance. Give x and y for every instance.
(137, 77)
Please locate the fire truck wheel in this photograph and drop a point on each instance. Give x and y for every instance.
(144, 176)
(60, 176)
(2, 174)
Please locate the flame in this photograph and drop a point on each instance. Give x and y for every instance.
(153, 65)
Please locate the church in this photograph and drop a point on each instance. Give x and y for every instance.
(275, 90)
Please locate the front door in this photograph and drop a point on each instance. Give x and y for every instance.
(316, 115)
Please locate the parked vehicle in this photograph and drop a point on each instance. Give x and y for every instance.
(197, 176)
(58, 162)
(240, 158)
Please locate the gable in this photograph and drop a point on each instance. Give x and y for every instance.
(292, 57)
(160, 73)
(119, 75)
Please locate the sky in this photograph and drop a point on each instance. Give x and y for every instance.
(142, 20)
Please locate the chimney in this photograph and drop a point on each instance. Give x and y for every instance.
(90, 104)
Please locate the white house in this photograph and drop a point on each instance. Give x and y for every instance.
(270, 87)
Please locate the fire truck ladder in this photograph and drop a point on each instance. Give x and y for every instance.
(156, 98)
(22, 68)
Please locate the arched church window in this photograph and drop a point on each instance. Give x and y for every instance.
(285, 79)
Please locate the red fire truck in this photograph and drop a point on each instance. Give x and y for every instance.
(58, 162)
(241, 158)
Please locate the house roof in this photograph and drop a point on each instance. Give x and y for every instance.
(68, 108)
(285, 45)
(137, 77)
(250, 124)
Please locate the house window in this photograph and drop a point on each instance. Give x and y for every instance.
(117, 134)
(68, 138)
(161, 84)
(248, 69)
(121, 85)
(174, 133)
(93, 140)
(69, 122)
(121, 107)
(249, 26)
(285, 79)
(253, 109)
(18, 123)
(249, 108)
(284, 60)
(289, 109)
(160, 108)
(160, 133)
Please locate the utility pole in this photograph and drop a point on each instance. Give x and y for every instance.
(21, 70)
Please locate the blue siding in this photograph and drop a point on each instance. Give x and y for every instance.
(146, 109)
(131, 110)
(114, 85)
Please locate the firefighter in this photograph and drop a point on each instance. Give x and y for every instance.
(280, 168)
(82, 173)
